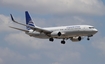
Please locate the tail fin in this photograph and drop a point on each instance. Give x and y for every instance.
(28, 20)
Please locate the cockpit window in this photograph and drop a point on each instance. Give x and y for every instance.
(91, 27)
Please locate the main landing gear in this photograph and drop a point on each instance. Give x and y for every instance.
(62, 42)
(51, 39)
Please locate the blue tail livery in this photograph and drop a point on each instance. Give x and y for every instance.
(28, 21)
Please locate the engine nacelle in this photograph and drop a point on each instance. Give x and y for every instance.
(31, 31)
(76, 39)
(56, 34)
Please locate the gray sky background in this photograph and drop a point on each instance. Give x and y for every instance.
(18, 48)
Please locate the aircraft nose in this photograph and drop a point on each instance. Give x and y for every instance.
(95, 30)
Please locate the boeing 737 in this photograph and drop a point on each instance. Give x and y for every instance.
(74, 32)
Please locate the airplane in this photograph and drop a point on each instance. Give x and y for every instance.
(73, 32)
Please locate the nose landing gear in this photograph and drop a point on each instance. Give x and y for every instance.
(88, 38)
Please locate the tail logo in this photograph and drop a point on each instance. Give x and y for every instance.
(30, 24)
(28, 21)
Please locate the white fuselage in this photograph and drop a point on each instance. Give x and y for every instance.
(73, 32)
(66, 31)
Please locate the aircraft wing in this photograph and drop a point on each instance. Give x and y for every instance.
(19, 29)
(38, 29)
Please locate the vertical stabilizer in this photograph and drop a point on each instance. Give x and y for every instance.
(28, 20)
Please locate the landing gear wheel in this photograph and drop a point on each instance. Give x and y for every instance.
(51, 39)
(79, 38)
(88, 38)
(63, 42)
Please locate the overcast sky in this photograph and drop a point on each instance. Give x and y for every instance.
(18, 48)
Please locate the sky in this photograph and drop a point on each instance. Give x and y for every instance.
(18, 48)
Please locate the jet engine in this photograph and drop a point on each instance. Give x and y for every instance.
(75, 39)
(56, 34)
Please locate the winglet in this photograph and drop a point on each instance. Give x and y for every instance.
(12, 17)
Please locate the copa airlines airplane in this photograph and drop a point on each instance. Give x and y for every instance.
(74, 32)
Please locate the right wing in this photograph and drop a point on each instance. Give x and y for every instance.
(19, 29)
(38, 29)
